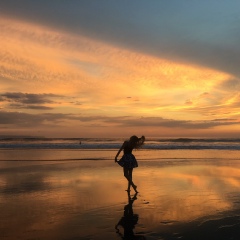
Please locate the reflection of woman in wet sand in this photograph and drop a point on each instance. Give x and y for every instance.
(128, 160)
(128, 221)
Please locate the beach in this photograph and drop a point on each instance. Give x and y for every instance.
(186, 194)
(152, 84)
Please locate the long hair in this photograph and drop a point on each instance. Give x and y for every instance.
(136, 142)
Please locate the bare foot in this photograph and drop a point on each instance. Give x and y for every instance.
(135, 188)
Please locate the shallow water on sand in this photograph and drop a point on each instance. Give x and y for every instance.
(178, 199)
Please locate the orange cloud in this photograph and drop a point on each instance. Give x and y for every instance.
(101, 79)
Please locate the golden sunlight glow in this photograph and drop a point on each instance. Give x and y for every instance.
(96, 78)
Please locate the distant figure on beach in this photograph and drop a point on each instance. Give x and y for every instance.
(128, 221)
(128, 160)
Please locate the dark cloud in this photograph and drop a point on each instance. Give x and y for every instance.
(32, 120)
(28, 100)
(197, 31)
(34, 107)
(53, 119)
(225, 120)
(128, 121)
(76, 103)
(171, 123)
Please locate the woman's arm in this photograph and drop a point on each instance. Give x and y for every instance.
(119, 151)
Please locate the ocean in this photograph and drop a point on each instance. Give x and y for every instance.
(66, 149)
(115, 143)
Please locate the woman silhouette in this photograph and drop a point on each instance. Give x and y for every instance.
(128, 160)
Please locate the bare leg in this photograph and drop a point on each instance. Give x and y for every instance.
(128, 176)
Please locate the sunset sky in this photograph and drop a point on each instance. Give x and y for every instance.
(109, 68)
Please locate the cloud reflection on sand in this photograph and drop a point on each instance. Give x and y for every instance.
(86, 198)
(185, 193)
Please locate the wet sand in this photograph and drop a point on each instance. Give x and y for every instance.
(86, 199)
